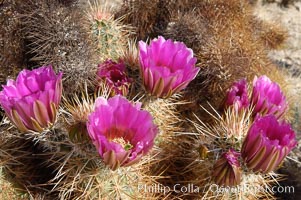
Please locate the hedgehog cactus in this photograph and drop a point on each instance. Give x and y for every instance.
(76, 117)
(69, 154)
(108, 33)
(109, 38)
(57, 34)
(104, 144)
(240, 150)
(11, 51)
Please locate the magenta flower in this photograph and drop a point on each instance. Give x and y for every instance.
(267, 143)
(267, 97)
(226, 170)
(237, 95)
(166, 66)
(114, 76)
(121, 132)
(31, 102)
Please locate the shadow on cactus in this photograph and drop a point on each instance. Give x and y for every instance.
(23, 163)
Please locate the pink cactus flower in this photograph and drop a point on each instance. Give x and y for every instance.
(31, 102)
(121, 132)
(267, 97)
(166, 66)
(237, 95)
(114, 76)
(226, 170)
(267, 143)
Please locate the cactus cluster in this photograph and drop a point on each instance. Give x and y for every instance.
(149, 100)
(55, 33)
(108, 34)
(11, 40)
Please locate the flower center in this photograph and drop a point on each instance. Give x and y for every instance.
(166, 69)
(125, 144)
(272, 136)
(240, 93)
(117, 76)
(119, 136)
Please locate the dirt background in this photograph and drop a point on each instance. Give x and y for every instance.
(290, 18)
